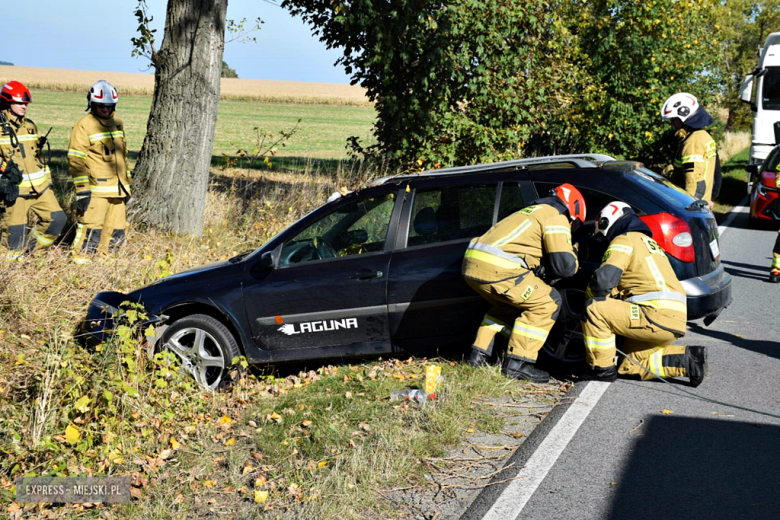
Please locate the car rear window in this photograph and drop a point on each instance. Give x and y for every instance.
(659, 186)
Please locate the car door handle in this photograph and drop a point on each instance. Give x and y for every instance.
(366, 274)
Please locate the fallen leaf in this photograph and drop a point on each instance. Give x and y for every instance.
(179, 499)
(322, 463)
(166, 454)
(348, 395)
(364, 427)
(470, 430)
(666, 412)
(257, 455)
(259, 481)
(247, 469)
(175, 444)
(230, 442)
(72, 434)
(260, 496)
(306, 424)
(210, 483)
(81, 404)
(225, 420)
(135, 493)
(275, 417)
(613, 483)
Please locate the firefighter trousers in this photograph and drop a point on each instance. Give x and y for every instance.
(776, 254)
(524, 309)
(18, 237)
(101, 228)
(646, 343)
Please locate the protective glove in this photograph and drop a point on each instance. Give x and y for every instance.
(82, 201)
(12, 173)
(9, 191)
(540, 272)
(42, 141)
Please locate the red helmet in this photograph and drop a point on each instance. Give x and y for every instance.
(573, 200)
(15, 92)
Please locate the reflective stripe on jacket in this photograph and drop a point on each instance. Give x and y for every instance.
(26, 155)
(694, 163)
(97, 156)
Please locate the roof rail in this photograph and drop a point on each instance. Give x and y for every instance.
(582, 160)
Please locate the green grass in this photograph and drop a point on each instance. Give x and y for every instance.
(734, 186)
(322, 133)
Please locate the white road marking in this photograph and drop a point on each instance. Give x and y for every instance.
(736, 210)
(513, 499)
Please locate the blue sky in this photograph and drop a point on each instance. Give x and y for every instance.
(95, 35)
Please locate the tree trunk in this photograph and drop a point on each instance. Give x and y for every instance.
(172, 173)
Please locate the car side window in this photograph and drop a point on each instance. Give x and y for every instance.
(772, 162)
(351, 229)
(511, 200)
(451, 213)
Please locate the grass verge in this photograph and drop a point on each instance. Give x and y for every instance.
(734, 186)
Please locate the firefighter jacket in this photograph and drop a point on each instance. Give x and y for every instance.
(97, 156)
(19, 142)
(695, 162)
(635, 269)
(520, 242)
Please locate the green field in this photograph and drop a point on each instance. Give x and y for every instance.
(322, 133)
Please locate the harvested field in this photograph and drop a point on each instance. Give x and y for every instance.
(232, 88)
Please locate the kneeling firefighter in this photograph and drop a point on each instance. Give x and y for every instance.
(636, 294)
(507, 266)
(25, 184)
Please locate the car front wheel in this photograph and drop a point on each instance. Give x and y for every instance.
(205, 347)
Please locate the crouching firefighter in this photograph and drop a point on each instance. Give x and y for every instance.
(508, 266)
(25, 182)
(97, 156)
(636, 294)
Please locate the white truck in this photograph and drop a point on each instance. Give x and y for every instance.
(761, 88)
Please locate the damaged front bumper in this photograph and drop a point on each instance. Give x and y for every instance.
(106, 312)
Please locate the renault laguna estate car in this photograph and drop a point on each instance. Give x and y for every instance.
(378, 271)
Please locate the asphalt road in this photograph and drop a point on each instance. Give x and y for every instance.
(647, 450)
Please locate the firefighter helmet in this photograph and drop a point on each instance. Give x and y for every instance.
(681, 105)
(102, 93)
(611, 214)
(573, 200)
(15, 92)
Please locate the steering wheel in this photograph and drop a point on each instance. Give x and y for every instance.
(324, 249)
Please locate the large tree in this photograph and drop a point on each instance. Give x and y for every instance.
(172, 172)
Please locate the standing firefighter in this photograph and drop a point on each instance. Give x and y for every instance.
(774, 271)
(26, 179)
(636, 294)
(696, 166)
(507, 266)
(97, 156)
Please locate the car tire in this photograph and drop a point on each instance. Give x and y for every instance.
(205, 347)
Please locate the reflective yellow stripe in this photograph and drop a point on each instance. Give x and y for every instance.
(529, 331)
(659, 279)
(42, 239)
(776, 262)
(497, 326)
(82, 178)
(35, 175)
(519, 230)
(76, 153)
(594, 343)
(492, 259)
(27, 137)
(553, 230)
(692, 159)
(105, 135)
(622, 249)
(665, 304)
(656, 363)
(104, 189)
(677, 163)
(79, 232)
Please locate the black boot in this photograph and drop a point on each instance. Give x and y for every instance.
(478, 358)
(608, 374)
(774, 275)
(696, 364)
(523, 370)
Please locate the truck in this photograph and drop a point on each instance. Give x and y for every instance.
(761, 88)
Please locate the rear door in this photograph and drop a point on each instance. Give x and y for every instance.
(429, 304)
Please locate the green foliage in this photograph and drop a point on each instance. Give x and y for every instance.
(227, 72)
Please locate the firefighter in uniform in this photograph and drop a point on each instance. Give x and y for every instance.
(508, 266)
(774, 271)
(636, 294)
(696, 166)
(97, 156)
(21, 151)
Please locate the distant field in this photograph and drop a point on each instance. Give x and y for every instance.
(322, 133)
(232, 88)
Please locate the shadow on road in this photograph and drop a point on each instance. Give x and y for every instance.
(685, 468)
(759, 272)
(768, 348)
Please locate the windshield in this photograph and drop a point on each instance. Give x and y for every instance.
(660, 186)
(770, 92)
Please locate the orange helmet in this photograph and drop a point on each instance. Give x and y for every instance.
(573, 200)
(15, 92)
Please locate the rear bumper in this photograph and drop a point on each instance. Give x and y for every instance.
(709, 294)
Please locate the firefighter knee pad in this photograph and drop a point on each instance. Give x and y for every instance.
(117, 239)
(16, 237)
(556, 297)
(57, 224)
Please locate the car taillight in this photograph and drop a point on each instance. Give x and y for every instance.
(673, 234)
(768, 179)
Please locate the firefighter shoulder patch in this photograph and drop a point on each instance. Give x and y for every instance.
(606, 256)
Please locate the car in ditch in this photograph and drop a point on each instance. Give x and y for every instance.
(378, 271)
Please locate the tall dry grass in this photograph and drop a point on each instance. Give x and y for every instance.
(733, 143)
(231, 88)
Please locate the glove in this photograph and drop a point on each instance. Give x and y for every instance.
(82, 201)
(540, 272)
(9, 191)
(42, 141)
(12, 173)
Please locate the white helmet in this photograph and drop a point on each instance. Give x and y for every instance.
(102, 93)
(681, 105)
(610, 214)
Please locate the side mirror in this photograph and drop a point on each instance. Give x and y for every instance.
(746, 89)
(752, 169)
(267, 260)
